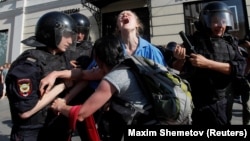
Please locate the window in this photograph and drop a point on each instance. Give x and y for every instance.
(3, 45)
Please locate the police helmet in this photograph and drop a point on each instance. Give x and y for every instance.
(50, 29)
(82, 23)
(219, 10)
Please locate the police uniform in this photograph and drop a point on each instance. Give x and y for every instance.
(25, 73)
(23, 91)
(210, 88)
(83, 56)
(82, 53)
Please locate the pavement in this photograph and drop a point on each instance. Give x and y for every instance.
(5, 119)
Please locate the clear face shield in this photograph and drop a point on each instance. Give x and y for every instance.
(67, 33)
(219, 18)
(84, 31)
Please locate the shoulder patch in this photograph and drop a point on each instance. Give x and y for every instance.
(24, 87)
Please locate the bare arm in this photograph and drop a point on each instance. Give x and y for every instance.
(76, 74)
(48, 81)
(100, 97)
(180, 55)
(51, 95)
(45, 100)
(93, 74)
(200, 61)
(75, 90)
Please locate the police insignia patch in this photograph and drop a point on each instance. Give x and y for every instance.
(25, 87)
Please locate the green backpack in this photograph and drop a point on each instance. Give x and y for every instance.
(170, 94)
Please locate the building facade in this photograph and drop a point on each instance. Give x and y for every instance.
(162, 19)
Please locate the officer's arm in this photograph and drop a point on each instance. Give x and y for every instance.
(76, 74)
(224, 68)
(48, 81)
(44, 101)
(200, 61)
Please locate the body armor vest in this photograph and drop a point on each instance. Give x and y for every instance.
(218, 49)
(44, 63)
(216, 84)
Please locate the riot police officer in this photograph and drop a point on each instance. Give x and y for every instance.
(214, 66)
(55, 32)
(81, 57)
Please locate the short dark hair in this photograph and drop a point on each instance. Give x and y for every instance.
(108, 49)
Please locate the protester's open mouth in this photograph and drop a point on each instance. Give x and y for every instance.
(125, 21)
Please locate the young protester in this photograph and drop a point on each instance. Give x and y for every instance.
(119, 83)
(128, 29)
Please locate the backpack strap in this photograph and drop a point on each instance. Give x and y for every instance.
(137, 111)
(128, 63)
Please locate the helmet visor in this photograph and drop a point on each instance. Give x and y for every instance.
(59, 33)
(83, 30)
(219, 18)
